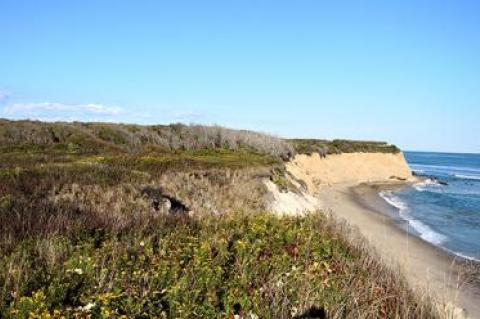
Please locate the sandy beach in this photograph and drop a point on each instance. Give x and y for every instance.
(426, 267)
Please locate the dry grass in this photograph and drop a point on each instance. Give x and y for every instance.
(72, 197)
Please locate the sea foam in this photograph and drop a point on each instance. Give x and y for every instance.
(422, 186)
(471, 177)
(425, 232)
(461, 255)
(449, 168)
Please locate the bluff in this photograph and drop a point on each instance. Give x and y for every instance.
(316, 170)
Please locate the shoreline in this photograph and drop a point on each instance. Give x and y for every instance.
(369, 196)
(426, 267)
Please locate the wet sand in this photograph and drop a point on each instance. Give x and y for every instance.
(426, 267)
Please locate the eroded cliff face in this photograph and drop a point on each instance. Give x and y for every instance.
(317, 171)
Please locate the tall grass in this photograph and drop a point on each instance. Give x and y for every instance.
(82, 195)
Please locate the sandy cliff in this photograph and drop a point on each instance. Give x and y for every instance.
(316, 171)
(347, 168)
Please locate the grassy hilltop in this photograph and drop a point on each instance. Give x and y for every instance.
(108, 221)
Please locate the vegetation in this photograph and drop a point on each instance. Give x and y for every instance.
(325, 147)
(93, 225)
(255, 266)
(102, 138)
(98, 138)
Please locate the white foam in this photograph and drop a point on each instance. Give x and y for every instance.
(422, 186)
(445, 167)
(474, 177)
(394, 200)
(426, 233)
(461, 255)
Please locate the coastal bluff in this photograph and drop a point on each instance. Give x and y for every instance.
(316, 170)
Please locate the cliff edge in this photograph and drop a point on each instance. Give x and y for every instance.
(316, 170)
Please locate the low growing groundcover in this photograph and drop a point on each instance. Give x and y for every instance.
(244, 265)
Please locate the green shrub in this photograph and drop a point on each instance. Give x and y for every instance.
(325, 147)
(258, 265)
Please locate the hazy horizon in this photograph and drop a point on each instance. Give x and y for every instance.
(403, 72)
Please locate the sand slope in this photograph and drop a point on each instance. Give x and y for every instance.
(290, 202)
(344, 168)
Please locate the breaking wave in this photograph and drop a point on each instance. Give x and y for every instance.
(425, 232)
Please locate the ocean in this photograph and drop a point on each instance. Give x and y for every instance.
(444, 209)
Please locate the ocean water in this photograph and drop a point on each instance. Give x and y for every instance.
(445, 209)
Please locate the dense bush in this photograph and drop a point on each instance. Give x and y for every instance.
(325, 147)
(92, 137)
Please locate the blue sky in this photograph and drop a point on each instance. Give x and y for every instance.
(403, 71)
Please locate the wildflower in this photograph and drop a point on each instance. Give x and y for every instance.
(78, 271)
(294, 311)
(279, 284)
(142, 243)
(87, 307)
